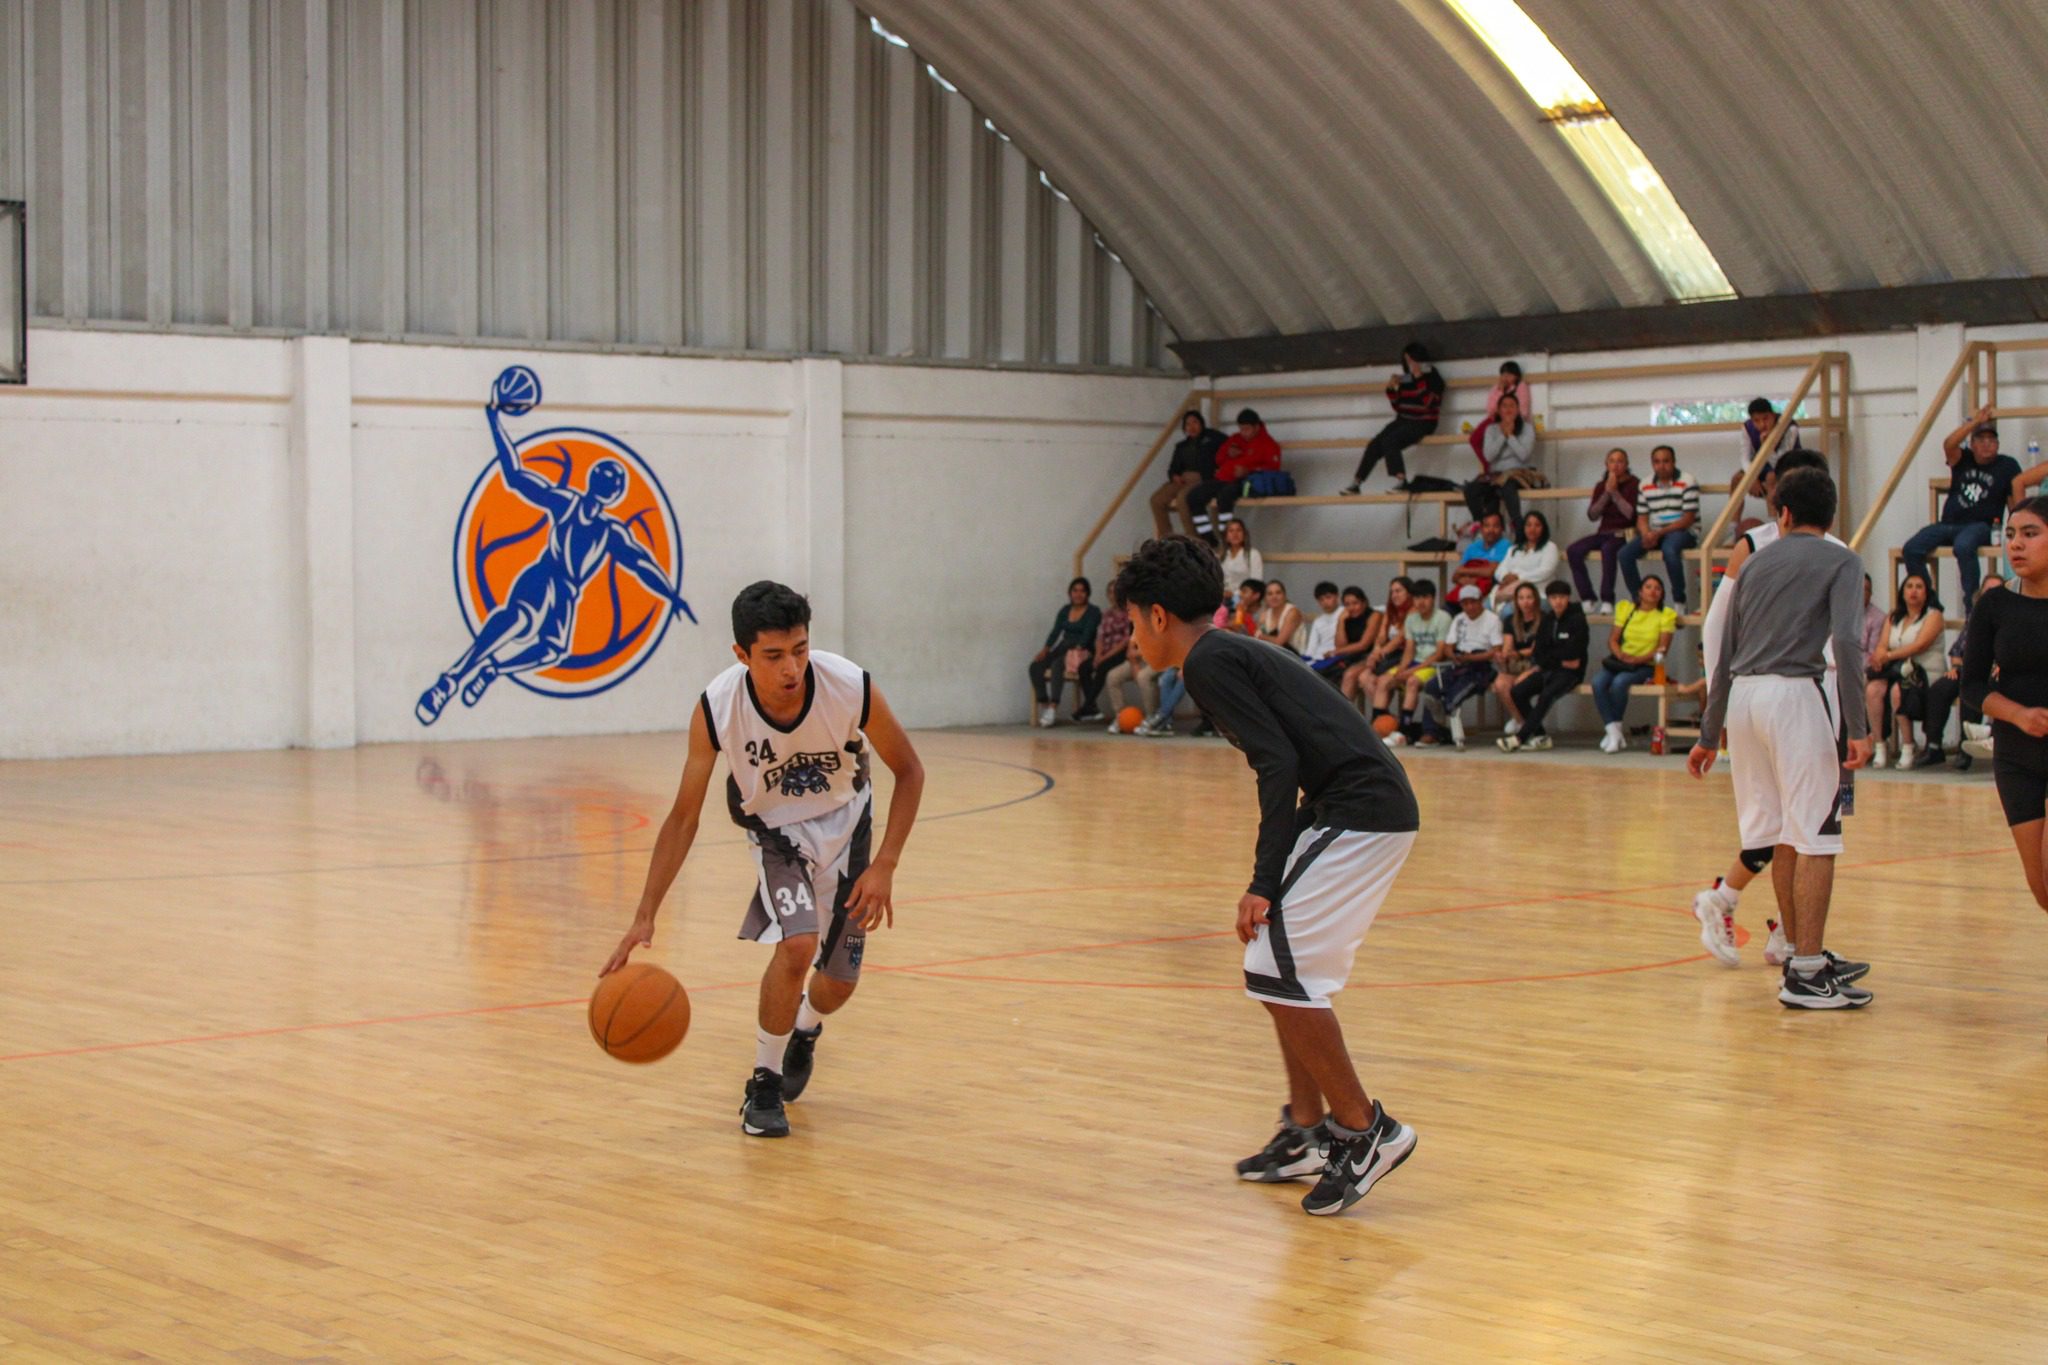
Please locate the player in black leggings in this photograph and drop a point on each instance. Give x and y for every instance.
(2009, 631)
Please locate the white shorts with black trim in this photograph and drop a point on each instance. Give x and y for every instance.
(1335, 882)
(1785, 737)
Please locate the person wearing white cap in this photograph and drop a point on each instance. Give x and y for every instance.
(1474, 641)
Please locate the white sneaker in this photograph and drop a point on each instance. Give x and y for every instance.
(1396, 740)
(1513, 727)
(1612, 741)
(1777, 951)
(1905, 759)
(1878, 756)
(1976, 730)
(1978, 748)
(1116, 727)
(1717, 927)
(1508, 744)
(1457, 732)
(1047, 715)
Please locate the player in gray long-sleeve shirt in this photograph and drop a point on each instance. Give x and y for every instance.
(1792, 598)
(1770, 687)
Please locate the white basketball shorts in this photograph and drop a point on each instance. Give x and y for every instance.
(1785, 737)
(1335, 881)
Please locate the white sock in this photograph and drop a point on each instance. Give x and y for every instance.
(1730, 897)
(1808, 966)
(768, 1049)
(808, 1018)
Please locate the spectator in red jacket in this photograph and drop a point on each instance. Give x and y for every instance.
(1250, 450)
(1417, 397)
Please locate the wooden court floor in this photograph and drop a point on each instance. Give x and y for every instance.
(293, 1066)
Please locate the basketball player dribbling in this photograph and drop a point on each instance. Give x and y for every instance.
(1794, 599)
(794, 725)
(1715, 907)
(1320, 872)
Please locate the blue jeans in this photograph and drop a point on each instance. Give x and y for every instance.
(1171, 690)
(1610, 692)
(1673, 545)
(1967, 538)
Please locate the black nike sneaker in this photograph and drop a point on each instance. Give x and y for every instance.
(797, 1060)
(1293, 1153)
(1846, 972)
(1355, 1165)
(761, 1115)
(1824, 990)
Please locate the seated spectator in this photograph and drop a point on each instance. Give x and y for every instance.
(1509, 384)
(1240, 561)
(1481, 558)
(1665, 516)
(1416, 395)
(1250, 450)
(1322, 632)
(1132, 668)
(1517, 654)
(1279, 620)
(1535, 559)
(1560, 658)
(1613, 507)
(1642, 632)
(1980, 485)
(1905, 662)
(1358, 633)
(1384, 654)
(1241, 614)
(1471, 649)
(1172, 691)
(1112, 644)
(1762, 417)
(1873, 626)
(1943, 693)
(1510, 457)
(1069, 647)
(1424, 633)
(1194, 463)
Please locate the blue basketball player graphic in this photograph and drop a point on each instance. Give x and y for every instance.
(533, 627)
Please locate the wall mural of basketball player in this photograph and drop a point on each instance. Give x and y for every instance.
(577, 537)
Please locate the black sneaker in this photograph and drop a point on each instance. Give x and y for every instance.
(1927, 758)
(1960, 761)
(1355, 1165)
(797, 1060)
(1293, 1153)
(1080, 718)
(761, 1115)
(1846, 972)
(1821, 991)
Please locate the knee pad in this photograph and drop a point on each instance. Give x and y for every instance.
(1757, 859)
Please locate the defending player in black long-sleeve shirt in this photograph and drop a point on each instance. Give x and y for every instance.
(1320, 872)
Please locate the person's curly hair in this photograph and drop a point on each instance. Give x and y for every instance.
(1178, 573)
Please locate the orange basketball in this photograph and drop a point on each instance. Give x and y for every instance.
(1129, 719)
(1385, 725)
(639, 1013)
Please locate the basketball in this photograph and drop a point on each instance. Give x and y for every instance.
(1129, 719)
(639, 1013)
(516, 391)
(1385, 725)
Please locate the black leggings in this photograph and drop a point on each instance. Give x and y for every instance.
(1941, 699)
(1049, 675)
(1395, 437)
(1223, 492)
(1536, 693)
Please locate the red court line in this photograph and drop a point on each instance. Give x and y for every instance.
(926, 969)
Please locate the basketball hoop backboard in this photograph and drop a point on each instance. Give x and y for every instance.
(13, 292)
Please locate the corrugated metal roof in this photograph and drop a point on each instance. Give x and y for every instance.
(1322, 164)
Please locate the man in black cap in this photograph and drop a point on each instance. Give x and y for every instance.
(1979, 485)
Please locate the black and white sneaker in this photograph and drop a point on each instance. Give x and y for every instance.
(1355, 1165)
(1846, 972)
(1824, 990)
(1293, 1153)
(761, 1115)
(797, 1060)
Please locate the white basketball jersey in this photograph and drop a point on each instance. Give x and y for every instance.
(783, 775)
(1715, 627)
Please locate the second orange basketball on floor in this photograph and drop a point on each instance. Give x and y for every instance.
(639, 1013)
(1385, 725)
(1129, 719)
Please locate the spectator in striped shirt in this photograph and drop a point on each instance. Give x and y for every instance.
(1417, 397)
(1666, 513)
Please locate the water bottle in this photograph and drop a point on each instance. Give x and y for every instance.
(2033, 452)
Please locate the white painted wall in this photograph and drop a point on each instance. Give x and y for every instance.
(244, 543)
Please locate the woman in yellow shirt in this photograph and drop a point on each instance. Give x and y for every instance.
(1642, 631)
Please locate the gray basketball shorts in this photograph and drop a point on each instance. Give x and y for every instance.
(806, 872)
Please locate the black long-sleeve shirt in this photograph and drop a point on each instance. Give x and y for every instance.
(1298, 735)
(1561, 641)
(1197, 454)
(2011, 631)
